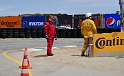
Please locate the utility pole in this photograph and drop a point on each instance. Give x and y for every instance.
(121, 2)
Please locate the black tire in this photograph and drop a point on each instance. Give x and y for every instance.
(15, 32)
(39, 32)
(118, 30)
(27, 32)
(21, 32)
(3, 32)
(68, 33)
(79, 35)
(74, 33)
(33, 32)
(43, 33)
(9, 33)
(100, 30)
(15, 35)
(107, 30)
(3, 36)
(21, 35)
(114, 29)
(62, 33)
(110, 30)
(57, 32)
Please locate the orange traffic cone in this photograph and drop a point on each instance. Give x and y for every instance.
(29, 66)
(25, 53)
(24, 71)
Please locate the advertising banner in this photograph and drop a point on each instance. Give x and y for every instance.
(33, 21)
(109, 42)
(65, 21)
(112, 21)
(78, 20)
(56, 20)
(10, 22)
(97, 18)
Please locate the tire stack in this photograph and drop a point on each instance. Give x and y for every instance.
(27, 33)
(68, 33)
(15, 32)
(114, 30)
(39, 32)
(21, 32)
(33, 32)
(74, 33)
(118, 30)
(110, 30)
(107, 30)
(62, 33)
(100, 30)
(79, 35)
(3, 33)
(57, 32)
(43, 33)
(9, 33)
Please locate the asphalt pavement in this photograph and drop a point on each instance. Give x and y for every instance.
(8, 66)
(12, 54)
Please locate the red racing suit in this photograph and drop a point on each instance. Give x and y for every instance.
(50, 30)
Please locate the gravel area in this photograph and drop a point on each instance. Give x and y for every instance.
(70, 58)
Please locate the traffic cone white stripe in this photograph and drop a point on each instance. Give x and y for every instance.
(24, 71)
(25, 62)
(25, 52)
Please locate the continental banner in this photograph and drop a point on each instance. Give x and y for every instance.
(109, 42)
(10, 22)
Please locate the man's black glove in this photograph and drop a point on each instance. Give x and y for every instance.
(46, 36)
(55, 37)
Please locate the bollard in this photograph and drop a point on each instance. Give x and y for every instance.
(90, 51)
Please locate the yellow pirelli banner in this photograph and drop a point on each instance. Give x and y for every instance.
(109, 42)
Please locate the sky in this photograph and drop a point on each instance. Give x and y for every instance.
(16, 7)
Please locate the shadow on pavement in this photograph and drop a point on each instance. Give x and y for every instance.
(76, 55)
(80, 55)
(41, 56)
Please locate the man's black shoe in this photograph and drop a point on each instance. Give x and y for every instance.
(50, 54)
(82, 54)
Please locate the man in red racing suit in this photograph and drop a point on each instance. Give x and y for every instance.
(50, 32)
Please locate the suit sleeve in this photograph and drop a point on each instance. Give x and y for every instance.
(55, 32)
(46, 28)
(82, 28)
(94, 28)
